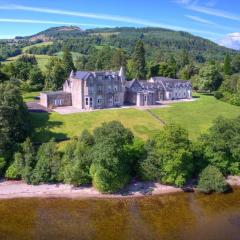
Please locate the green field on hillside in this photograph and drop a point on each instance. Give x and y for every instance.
(36, 45)
(195, 116)
(41, 59)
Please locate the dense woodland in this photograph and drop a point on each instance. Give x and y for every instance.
(110, 156)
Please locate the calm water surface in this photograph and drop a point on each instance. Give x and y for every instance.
(177, 216)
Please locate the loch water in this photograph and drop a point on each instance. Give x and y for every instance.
(187, 216)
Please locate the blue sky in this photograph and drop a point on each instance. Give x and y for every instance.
(212, 19)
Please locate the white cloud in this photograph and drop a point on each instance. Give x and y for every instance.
(214, 12)
(2, 36)
(231, 40)
(208, 22)
(123, 19)
(33, 21)
(207, 8)
(201, 20)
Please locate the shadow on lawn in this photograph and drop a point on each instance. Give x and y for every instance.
(42, 128)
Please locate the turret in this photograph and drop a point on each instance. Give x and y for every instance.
(72, 74)
(121, 74)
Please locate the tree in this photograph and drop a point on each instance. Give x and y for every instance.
(209, 78)
(36, 79)
(139, 63)
(167, 70)
(110, 169)
(26, 161)
(68, 62)
(169, 157)
(236, 64)
(76, 163)
(184, 58)
(188, 72)
(221, 145)
(227, 65)
(55, 74)
(14, 119)
(48, 164)
(119, 59)
(212, 180)
(81, 62)
(77, 160)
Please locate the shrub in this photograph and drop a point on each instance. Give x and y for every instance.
(235, 99)
(212, 180)
(218, 95)
(13, 172)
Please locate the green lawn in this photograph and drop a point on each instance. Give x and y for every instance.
(197, 116)
(29, 96)
(55, 125)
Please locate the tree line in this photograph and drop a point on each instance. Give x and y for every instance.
(110, 157)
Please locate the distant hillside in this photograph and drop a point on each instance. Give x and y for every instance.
(57, 32)
(159, 43)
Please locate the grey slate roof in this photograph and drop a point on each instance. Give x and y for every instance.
(83, 75)
(169, 83)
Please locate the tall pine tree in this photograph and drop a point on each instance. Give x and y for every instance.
(227, 65)
(68, 62)
(139, 63)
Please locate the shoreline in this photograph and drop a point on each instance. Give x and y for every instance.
(19, 189)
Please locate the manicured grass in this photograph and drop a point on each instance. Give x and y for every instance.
(49, 125)
(197, 116)
(29, 96)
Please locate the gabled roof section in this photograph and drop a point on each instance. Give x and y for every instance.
(81, 75)
(169, 83)
(129, 84)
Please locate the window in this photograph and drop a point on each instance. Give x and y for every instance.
(58, 102)
(115, 88)
(145, 98)
(116, 99)
(86, 101)
(99, 100)
(91, 102)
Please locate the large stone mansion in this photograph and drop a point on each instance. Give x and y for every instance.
(97, 90)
